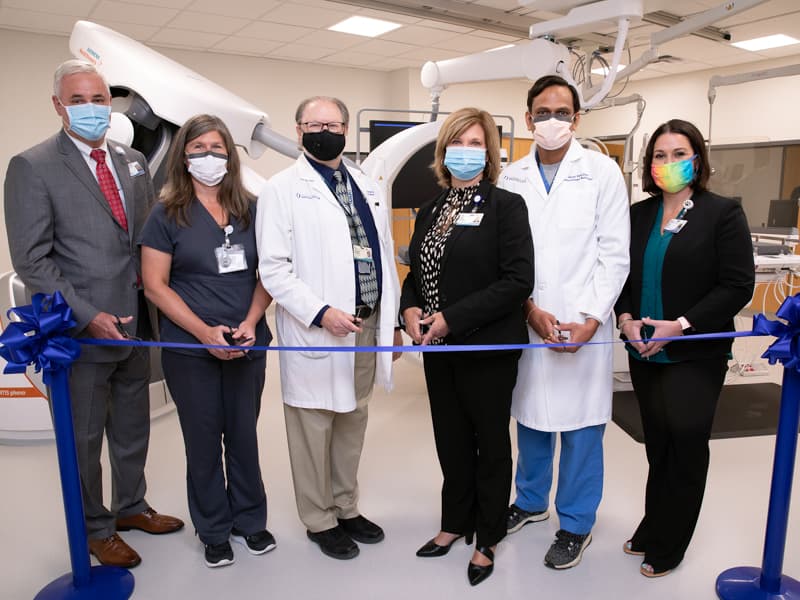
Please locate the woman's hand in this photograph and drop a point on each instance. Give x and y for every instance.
(213, 336)
(437, 328)
(662, 329)
(632, 330)
(411, 317)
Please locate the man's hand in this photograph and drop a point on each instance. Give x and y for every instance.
(104, 326)
(339, 323)
(398, 341)
(544, 324)
(579, 333)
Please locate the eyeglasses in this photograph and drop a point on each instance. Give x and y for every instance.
(560, 115)
(316, 126)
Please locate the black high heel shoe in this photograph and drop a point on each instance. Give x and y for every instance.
(431, 549)
(477, 573)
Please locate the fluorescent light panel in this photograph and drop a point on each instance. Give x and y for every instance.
(765, 43)
(364, 26)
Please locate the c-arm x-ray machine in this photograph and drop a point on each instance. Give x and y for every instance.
(154, 95)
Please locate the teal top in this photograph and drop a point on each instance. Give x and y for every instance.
(651, 304)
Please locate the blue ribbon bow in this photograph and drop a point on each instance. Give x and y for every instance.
(40, 336)
(785, 348)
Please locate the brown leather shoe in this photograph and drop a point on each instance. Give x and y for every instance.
(150, 521)
(114, 552)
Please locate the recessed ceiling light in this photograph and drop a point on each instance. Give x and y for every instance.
(604, 70)
(765, 43)
(364, 26)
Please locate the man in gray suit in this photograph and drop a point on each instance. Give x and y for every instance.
(73, 216)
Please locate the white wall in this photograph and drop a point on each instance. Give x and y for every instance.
(758, 111)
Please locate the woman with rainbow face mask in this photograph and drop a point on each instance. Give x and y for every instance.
(691, 272)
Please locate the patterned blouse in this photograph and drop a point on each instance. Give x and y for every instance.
(432, 248)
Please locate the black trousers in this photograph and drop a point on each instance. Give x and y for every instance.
(677, 402)
(218, 404)
(470, 398)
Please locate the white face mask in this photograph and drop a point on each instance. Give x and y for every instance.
(208, 167)
(552, 134)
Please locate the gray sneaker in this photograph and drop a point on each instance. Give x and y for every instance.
(567, 550)
(517, 518)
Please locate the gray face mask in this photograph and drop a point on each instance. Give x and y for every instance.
(208, 167)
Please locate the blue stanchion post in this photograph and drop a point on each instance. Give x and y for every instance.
(768, 582)
(39, 338)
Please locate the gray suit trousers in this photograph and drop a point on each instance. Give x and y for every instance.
(111, 396)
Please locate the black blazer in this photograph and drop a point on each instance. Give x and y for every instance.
(708, 273)
(486, 271)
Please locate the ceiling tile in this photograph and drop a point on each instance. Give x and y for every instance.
(389, 16)
(773, 8)
(419, 36)
(298, 14)
(76, 8)
(504, 5)
(350, 58)
(181, 38)
(298, 52)
(331, 39)
(446, 26)
(390, 63)
(179, 4)
(787, 24)
(237, 44)
(196, 21)
(425, 54)
(499, 37)
(695, 47)
(467, 44)
(141, 33)
(274, 31)
(133, 13)
(245, 9)
(384, 48)
(32, 21)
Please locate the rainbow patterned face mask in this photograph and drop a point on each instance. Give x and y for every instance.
(673, 177)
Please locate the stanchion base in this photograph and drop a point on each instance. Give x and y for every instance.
(105, 583)
(744, 583)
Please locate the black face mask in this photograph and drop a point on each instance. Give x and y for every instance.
(324, 145)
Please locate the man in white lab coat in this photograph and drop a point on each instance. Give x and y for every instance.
(578, 210)
(327, 258)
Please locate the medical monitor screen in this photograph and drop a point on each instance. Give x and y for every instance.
(380, 131)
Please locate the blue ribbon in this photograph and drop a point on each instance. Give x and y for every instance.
(40, 337)
(785, 348)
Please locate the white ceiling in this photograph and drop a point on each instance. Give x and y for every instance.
(296, 30)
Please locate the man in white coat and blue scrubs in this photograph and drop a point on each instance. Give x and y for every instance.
(578, 210)
(326, 256)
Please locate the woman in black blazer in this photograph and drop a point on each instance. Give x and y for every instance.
(471, 270)
(691, 272)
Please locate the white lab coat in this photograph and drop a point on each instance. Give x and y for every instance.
(305, 262)
(581, 237)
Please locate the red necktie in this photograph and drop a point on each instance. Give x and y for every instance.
(109, 187)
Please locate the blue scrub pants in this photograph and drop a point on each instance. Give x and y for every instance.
(580, 474)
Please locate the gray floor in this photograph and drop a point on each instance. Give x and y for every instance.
(400, 482)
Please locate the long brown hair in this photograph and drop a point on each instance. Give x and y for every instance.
(177, 193)
(702, 167)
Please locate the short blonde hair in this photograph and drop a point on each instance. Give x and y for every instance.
(456, 124)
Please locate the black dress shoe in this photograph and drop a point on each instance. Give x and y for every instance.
(431, 549)
(362, 530)
(477, 573)
(334, 542)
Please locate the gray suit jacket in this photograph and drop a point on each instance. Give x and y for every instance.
(63, 236)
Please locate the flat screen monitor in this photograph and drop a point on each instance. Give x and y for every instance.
(782, 213)
(380, 131)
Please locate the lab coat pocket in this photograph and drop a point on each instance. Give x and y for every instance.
(293, 333)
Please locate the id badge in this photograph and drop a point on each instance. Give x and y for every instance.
(675, 225)
(230, 259)
(362, 253)
(469, 219)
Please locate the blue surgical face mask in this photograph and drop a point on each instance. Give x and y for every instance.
(90, 121)
(463, 162)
